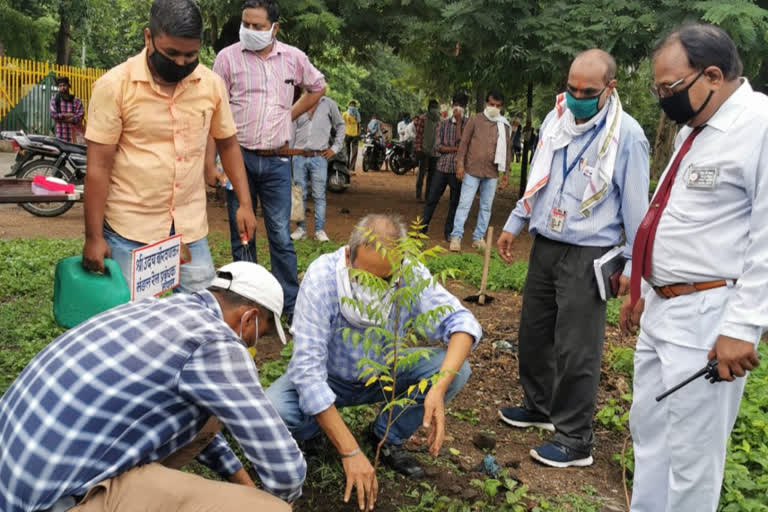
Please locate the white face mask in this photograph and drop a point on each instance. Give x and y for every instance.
(459, 110)
(492, 112)
(256, 40)
(349, 288)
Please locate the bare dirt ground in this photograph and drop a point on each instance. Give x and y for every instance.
(494, 379)
(371, 192)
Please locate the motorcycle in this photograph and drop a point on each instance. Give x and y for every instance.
(338, 173)
(49, 157)
(399, 159)
(374, 152)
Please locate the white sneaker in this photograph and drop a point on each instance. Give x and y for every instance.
(455, 245)
(320, 236)
(299, 234)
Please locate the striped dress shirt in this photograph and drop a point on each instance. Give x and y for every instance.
(261, 91)
(132, 386)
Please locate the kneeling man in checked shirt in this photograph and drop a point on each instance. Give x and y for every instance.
(323, 375)
(103, 418)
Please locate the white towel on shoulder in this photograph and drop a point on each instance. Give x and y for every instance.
(559, 132)
(500, 159)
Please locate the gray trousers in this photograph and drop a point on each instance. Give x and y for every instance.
(562, 329)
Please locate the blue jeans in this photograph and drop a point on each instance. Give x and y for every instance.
(317, 168)
(285, 398)
(238, 251)
(269, 179)
(469, 188)
(194, 276)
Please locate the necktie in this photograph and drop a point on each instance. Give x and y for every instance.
(643, 246)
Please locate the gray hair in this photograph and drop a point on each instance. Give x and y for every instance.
(385, 227)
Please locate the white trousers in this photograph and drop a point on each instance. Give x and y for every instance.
(680, 442)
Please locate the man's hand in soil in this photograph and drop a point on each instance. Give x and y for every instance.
(94, 252)
(434, 419)
(504, 180)
(629, 317)
(506, 240)
(246, 222)
(734, 357)
(360, 474)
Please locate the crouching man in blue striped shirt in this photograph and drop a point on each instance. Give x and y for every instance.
(324, 374)
(103, 418)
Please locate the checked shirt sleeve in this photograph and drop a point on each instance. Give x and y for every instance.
(312, 332)
(219, 457)
(458, 319)
(221, 378)
(78, 110)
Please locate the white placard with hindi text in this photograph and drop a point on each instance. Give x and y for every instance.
(156, 268)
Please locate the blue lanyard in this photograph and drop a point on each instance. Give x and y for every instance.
(568, 168)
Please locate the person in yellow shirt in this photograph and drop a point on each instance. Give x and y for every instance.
(148, 125)
(352, 123)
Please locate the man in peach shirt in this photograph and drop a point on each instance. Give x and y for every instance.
(149, 122)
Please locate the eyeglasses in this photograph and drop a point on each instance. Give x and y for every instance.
(665, 90)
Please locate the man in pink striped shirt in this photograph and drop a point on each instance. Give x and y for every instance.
(261, 73)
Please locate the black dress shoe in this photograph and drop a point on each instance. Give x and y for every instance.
(398, 459)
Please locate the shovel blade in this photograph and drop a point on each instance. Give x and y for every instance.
(475, 299)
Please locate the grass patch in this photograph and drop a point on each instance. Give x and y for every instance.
(27, 326)
(470, 265)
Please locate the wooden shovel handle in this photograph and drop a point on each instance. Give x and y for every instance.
(487, 260)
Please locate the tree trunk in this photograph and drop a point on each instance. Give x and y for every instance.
(664, 146)
(214, 35)
(479, 100)
(2, 48)
(62, 38)
(527, 133)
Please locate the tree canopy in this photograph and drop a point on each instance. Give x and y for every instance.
(391, 55)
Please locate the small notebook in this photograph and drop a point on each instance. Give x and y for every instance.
(608, 270)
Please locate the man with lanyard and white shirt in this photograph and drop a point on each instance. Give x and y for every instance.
(700, 273)
(312, 133)
(261, 73)
(587, 193)
(324, 372)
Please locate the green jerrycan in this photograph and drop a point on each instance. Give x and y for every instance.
(79, 294)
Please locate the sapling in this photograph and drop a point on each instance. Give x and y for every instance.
(391, 344)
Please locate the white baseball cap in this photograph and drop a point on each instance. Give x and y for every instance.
(255, 283)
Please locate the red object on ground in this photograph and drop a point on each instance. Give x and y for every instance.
(42, 181)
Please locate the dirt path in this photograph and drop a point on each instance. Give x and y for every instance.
(370, 192)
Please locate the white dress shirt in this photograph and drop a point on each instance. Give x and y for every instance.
(715, 225)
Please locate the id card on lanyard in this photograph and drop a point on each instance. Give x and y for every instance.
(558, 215)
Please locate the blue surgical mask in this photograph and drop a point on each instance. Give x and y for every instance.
(583, 108)
(353, 110)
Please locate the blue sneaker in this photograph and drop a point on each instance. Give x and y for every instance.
(523, 418)
(557, 455)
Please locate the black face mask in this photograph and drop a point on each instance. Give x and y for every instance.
(168, 70)
(678, 106)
